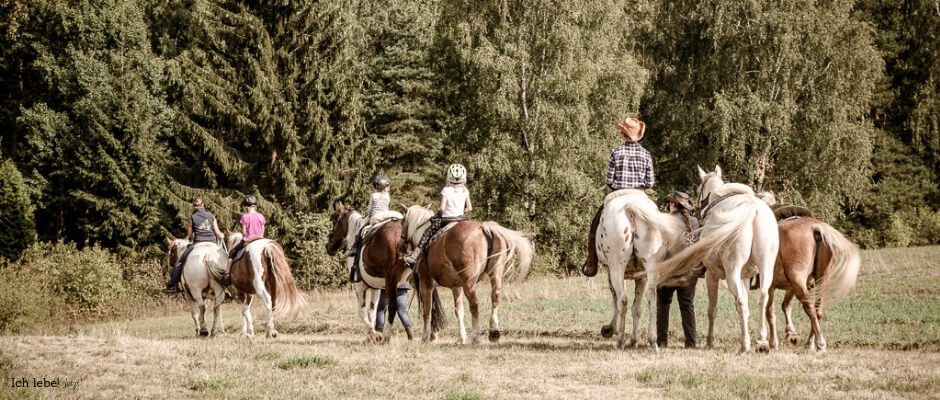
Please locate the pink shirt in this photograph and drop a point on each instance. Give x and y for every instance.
(254, 225)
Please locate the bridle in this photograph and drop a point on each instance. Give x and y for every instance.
(701, 203)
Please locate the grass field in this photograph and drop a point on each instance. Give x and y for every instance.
(884, 342)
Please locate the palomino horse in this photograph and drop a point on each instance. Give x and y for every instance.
(263, 271)
(633, 237)
(458, 259)
(812, 255)
(201, 273)
(738, 239)
(376, 267)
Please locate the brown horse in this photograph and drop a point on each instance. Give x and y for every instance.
(377, 265)
(458, 259)
(816, 263)
(263, 271)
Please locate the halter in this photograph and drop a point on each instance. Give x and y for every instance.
(702, 203)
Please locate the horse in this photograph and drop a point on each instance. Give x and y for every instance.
(460, 256)
(201, 273)
(816, 263)
(738, 239)
(633, 237)
(376, 267)
(263, 271)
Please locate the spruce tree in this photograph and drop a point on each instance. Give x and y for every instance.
(17, 228)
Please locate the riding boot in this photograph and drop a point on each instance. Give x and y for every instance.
(354, 274)
(590, 265)
(412, 257)
(410, 332)
(227, 277)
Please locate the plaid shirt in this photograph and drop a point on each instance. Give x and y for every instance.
(630, 167)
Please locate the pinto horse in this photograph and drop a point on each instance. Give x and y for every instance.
(633, 237)
(377, 265)
(738, 239)
(812, 255)
(263, 271)
(458, 259)
(200, 278)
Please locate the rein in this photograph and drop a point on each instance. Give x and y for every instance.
(703, 213)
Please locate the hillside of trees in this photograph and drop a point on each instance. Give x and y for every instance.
(115, 113)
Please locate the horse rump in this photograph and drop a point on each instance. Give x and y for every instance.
(843, 271)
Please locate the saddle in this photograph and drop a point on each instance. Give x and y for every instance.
(786, 211)
(620, 193)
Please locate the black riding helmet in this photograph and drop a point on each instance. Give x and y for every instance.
(381, 182)
(249, 200)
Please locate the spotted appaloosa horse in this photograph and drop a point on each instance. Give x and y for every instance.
(264, 272)
(812, 255)
(458, 259)
(377, 265)
(738, 239)
(633, 237)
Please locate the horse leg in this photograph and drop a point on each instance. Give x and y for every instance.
(651, 301)
(618, 300)
(248, 325)
(372, 311)
(739, 294)
(638, 286)
(458, 309)
(216, 308)
(765, 303)
(471, 294)
(814, 341)
(787, 306)
(363, 297)
(772, 321)
(495, 285)
(194, 310)
(425, 291)
(711, 282)
(268, 304)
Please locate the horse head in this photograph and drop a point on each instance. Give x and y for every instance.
(710, 182)
(341, 227)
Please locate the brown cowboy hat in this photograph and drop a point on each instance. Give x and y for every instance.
(632, 129)
(681, 199)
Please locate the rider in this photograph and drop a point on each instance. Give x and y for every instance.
(252, 223)
(681, 207)
(630, 167)
(378, 202)
(455, 201)
(202, 227)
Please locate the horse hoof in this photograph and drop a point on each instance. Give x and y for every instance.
(272, 334)
(607, 331)
(377, 337)
(494, 336)
(793, 340)
(203, 333)
(762, 348)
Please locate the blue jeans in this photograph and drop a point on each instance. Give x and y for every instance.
(178, 268)
(401, 298)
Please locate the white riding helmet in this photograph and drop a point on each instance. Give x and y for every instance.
(456, 173)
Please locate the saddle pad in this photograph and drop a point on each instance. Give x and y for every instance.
(383, 216)
(446, 227)
(240, 254)
(620, 193)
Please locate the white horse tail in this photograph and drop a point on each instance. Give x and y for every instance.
(712, 238)
(518, 246)
(841, 276)
(286, 299)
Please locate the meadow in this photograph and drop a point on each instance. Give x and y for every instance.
(884, 342)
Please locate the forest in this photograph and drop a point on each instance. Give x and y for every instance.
(115, 113)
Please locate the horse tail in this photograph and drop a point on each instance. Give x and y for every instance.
(712, 238)
(518, 246)
(286, 299)
(438, 319)
(841, 276)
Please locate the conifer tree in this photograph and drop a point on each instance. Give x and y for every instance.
(17, 228)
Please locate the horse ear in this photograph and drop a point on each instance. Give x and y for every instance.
(404, 207)
(718, 171)
(338, 206)
(701, 172)
(428, 206)
(169, 240)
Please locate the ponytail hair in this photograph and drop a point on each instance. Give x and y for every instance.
(686, 219)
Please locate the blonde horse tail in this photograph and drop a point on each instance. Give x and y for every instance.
(846, 262)
(518, 247)
(286, 299)
(712, 239)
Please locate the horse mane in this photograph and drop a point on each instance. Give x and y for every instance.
(415, 217)
(732, 188)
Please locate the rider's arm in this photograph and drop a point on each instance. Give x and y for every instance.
(215, 228)
(468, 207)
(443, 203)
(189, 231)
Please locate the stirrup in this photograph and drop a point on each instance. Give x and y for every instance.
(226, 279)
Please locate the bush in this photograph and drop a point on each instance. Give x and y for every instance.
(91, 279)
(306, 247)
(17, 227)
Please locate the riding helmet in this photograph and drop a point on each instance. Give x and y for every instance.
(456, 173)
(250, 200)
(381, 182)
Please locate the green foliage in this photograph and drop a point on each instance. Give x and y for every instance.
(310, 265)
(314, 361)
(534, 91)
(17, 228)
(89, 279)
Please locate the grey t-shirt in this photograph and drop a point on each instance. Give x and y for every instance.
(201, 221)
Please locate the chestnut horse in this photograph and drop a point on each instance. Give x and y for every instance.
(376, 267)
(458, 259)
(263, 271)
(816, 263)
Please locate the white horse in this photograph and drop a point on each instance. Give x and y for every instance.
(263, 271)
(201, 273)
(738, 239)
(633, 237)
